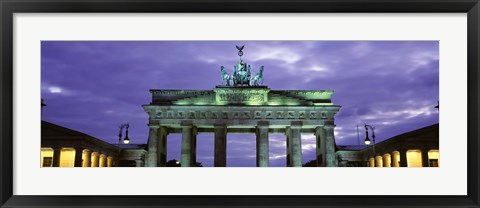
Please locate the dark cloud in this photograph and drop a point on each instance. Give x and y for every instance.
(93, 86)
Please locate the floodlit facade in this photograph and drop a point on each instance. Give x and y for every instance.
(241, 105)
(64, 147)
(417, 148)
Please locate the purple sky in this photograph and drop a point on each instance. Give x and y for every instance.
(94, 86)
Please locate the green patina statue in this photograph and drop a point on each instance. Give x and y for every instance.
(258, 78)
(241, 73)
(225, 76)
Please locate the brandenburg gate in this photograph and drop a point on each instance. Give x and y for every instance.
(241, 105)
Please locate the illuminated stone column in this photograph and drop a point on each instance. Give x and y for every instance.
(262, 143)
(395, 157)
(95, 159)
(87, 158)
(403, 158)
(187, 145)
(109, 161)
(320, 150)
(103, 161)
(152, 146)
(78, 157)
(194, 146)
(288, 134)
(387, 160)
(162, 146)
(56, 156)
(425, 162)
(220, 157)
(295, 132)
(330, 146)
(378, 161)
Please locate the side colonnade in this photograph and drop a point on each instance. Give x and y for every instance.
(406, 157)
(75, 157)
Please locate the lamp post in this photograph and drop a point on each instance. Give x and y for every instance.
(367, 140)
(126, 140)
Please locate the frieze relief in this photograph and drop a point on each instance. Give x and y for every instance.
(269, 114)
(301, 115)
(291, 115)
(191, 115)
(240, 97)
(258, 115)
(280, 114)
(266, 114)
(180, 114)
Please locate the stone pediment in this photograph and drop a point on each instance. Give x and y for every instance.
(242, 96)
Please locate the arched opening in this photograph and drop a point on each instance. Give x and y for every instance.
(414, 158)
(387, 161)
(378, 161)
(103, 160)
(109, 161)
(67, 157)
(395, 159)
(371, 162)
(433, 158)
(46, 155)
(95, 158)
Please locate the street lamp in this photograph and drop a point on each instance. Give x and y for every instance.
(367, 140)
(126, 140)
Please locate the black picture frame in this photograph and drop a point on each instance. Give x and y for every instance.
(10, 7)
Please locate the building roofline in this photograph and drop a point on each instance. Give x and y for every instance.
(77, 133)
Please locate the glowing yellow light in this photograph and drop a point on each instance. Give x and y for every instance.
(103, 161)
(46, 157)
(434, 155)
(378, 161)
(386, 160)
(414, 158)
(67, 157)
(396, 159)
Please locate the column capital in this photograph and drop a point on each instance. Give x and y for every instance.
(288, 130)
(153, 122)
(318, 129)
(329, 126)
(219, 123)
(263, 123)
(165, 128)
(296, 124)
(186, 123)
(153, 126)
